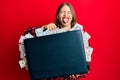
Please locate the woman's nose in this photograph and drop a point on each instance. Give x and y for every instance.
(65, 13)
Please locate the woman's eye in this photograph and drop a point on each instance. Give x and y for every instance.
(63, 12)
(69, 12)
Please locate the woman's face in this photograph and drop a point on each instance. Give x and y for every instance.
(65, 16)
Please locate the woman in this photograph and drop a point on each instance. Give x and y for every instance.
(65, 18)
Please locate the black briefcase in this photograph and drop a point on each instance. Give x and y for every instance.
(56, 55)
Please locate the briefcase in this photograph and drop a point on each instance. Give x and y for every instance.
(56, 55)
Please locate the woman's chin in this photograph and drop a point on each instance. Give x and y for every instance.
(66, 24)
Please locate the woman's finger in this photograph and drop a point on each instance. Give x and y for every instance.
(50, 26)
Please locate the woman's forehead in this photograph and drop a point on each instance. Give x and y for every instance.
(65, 8)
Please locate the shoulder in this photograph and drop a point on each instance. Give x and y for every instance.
(77, 27)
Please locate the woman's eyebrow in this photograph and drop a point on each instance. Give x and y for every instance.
(65, 11)
(69, 11)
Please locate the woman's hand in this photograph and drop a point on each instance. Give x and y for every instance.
(50, 26)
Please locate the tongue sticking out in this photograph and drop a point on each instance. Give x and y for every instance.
(65, 20)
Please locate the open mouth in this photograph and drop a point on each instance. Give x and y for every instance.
(65, 19)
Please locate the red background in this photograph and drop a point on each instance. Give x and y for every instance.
(100, 18)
